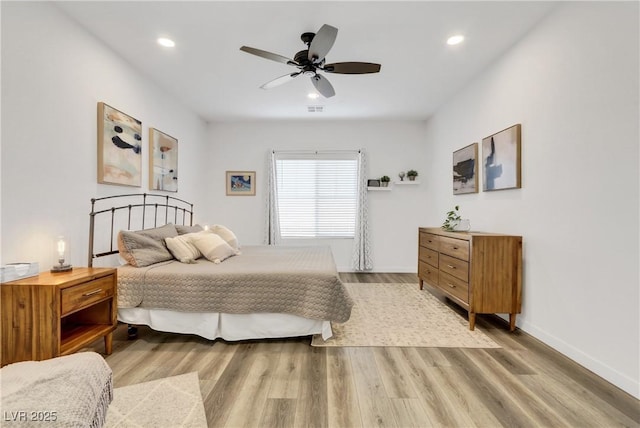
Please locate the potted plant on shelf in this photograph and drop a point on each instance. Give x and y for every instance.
(412, 174)
(384, 181)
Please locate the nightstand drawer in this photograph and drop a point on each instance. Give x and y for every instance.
(81, 295)
(458, 248)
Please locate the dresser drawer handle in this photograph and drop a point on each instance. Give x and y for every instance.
(455, 248)
(91, 293)
(451, 285)
(451, 267)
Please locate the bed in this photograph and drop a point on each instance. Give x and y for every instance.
(255, 293)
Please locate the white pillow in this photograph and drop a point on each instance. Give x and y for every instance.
(226, 234)
(213, 247)
(182, 248)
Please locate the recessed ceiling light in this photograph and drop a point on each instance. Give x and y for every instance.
(313, 95)
(454, 40)
(167, 43)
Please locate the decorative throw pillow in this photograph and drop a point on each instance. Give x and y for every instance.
(183, 249)
(184, 229)
(226, 234)
(146, 247)
(213, 247)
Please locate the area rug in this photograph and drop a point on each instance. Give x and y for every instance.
(169, 402)
(402, 315)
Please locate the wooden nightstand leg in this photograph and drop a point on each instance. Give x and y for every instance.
(421, 283)
(472, 320)
(512, 322)
(108, 343)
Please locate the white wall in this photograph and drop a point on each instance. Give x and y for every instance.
(53, 75)
(390, 147)
(573, 85)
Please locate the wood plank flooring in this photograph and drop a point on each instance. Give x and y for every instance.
(287, 383)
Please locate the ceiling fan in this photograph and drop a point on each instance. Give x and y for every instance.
(312, 60)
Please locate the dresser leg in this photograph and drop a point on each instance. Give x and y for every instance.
(472, 320)
(421, 283)
(108, 343)
(512, 322)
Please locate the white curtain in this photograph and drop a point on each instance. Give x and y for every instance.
(361, 246)
(272, 227)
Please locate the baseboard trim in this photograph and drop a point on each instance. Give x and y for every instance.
(622, 381)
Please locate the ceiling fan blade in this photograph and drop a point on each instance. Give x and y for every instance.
(323, 86)
(279, 81)
(268, 55)
(352, 68)
(322, 43)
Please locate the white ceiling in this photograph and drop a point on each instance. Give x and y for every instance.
(208, 72)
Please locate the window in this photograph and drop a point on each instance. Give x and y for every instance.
(317, 194)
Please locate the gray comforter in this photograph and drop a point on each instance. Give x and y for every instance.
(300, 281)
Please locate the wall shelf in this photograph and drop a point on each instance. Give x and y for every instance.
(406, 182)
(379, 188)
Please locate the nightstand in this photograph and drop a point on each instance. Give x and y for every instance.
(55, 314)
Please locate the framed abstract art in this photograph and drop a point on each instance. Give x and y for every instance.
(501, 153)
(119, 147)
(163, 161)
(465, 170)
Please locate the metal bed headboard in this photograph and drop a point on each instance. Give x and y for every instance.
(136, 213)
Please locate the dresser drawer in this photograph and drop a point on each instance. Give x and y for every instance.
(81, 295)
(429, 256)
(428, 273)
(454, 286)
(429, 240)
(458, 248)
(455, 267)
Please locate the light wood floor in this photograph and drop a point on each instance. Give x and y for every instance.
(287, 383)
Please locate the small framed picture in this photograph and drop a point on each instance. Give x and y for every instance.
(241, 183)
(373, 183)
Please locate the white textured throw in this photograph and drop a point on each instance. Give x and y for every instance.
(70, 391)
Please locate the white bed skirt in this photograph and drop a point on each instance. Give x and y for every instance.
(226, 326)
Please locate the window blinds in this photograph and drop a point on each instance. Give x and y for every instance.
(316, 194)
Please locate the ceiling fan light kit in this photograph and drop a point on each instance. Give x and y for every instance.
(311, 60)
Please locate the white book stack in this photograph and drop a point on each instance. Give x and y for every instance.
(13, 271)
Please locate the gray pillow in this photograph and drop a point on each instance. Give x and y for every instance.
(146, 247)
(188, 229)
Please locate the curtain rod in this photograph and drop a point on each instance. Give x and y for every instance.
(316, 151)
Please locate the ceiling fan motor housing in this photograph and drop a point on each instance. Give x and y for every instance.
(302, 57)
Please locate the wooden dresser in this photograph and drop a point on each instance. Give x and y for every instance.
(482, 272)
(55, 314)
